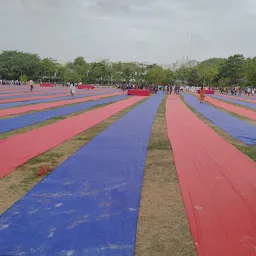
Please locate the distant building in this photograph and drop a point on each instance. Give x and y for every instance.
(184, 63)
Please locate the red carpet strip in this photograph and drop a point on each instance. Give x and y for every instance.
(42, 106)
(237, 98)
(232, 108)
(218, 185)
(44, 97)
(17, 150)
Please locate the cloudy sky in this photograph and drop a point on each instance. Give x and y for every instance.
(156, 31)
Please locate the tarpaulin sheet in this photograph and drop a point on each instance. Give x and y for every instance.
(239, 97)
(253, 98)
(28, 95)
(41, 106)
(16, 104)
(217, 182)
(52, 95)
(235, 127)
(232, 108)
(240, 102)
(29, 119)
(18, 149)
(89, 205)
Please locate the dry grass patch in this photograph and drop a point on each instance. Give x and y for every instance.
(163, 228)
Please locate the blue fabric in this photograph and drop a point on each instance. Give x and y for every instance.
(89, 205)
(16, 104)
(29, 119)
(235, 127)
(240, 102)
(30, 95)
(245, 97)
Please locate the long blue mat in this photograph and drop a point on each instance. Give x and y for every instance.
(16, 104)
(89, 205)
(240, 102)
(30, 95)
(233, 126)
(29, 119)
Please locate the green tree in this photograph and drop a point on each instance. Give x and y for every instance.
(156, 75)
(249, 70)
(14, 64)
(232, 68)
(208, 70)
(49, 68)
(81, 67)
(181, 75)
(193, 78)
(23, 78)
(72, 76)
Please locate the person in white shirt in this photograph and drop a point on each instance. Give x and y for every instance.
(72, 89)
(249, 91)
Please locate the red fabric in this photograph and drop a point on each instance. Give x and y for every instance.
(232, 108)
(46, 85)
(86, 87)
(25, 146)
(250, 98)
(43, 170)
(52, 95)
(218, 184)
(138, 92)
(207, 91)
(41, 106)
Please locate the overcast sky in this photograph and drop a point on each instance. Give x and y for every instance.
(156, 31)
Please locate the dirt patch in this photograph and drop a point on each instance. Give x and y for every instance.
(163, 228)
(21, 180)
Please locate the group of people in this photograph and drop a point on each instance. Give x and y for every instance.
(166, 89)
(10, 82)
(238, 90)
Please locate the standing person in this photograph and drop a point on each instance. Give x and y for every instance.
(249, 91)
(31, 83)
(72, 89)
(236, 89)
(240, 91)
(202, 94)
(253, 91)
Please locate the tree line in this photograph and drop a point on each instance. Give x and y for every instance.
(234, 70)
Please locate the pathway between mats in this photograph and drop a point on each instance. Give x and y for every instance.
(18, 149)
(218, 185)
(89, 205)
(18, 122)
(235, 127)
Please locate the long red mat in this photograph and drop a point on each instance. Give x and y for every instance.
(43, 97)
(236, 98)
(218, 185)
(17, 150)
(232, 108)
(42, 106)
(34, 93)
